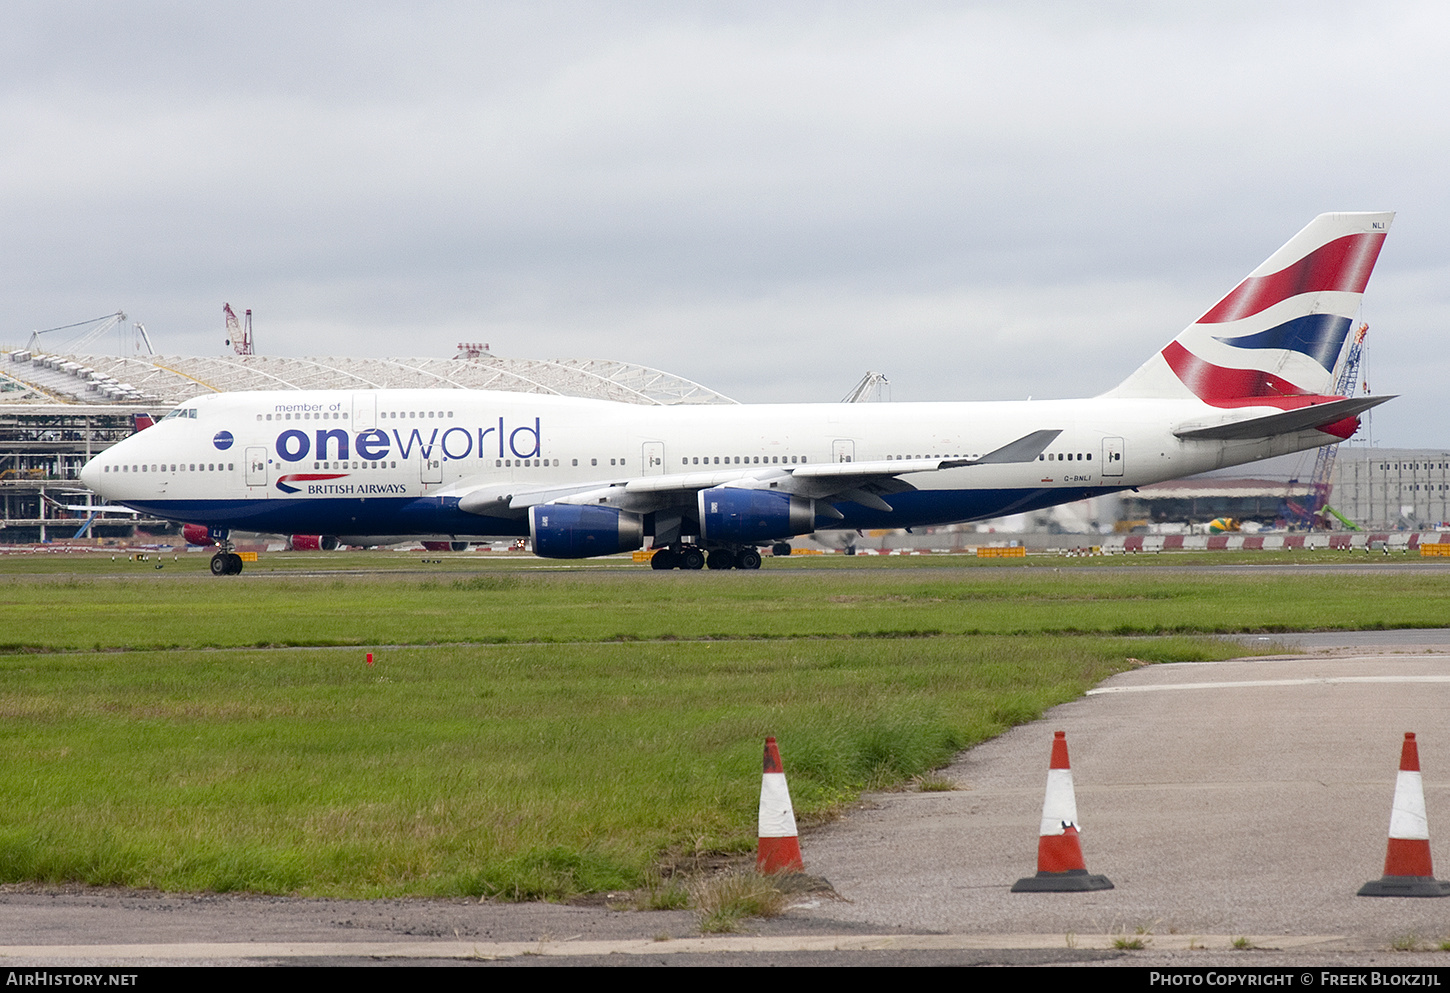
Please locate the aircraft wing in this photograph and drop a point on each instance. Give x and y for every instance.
(859, 482)
(1284, 422)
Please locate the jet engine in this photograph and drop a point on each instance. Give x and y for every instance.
(446, 546)
(197, 534)
(734, 514)
(570, 531)
(313, 543)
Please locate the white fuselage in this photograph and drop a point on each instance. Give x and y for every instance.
(396, 462)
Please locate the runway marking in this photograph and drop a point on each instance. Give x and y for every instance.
(487, 950)
(1248, 683)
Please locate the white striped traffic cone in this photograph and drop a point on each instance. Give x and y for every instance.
(780, 849)
(1408, 871)
(1060, 866)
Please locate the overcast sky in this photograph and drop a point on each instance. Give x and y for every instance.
(982, 201)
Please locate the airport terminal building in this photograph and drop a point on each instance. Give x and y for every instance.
(57, 411)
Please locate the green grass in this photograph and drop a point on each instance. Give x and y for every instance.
(517, 771)
(165, 610)
(533, 732)
(723, 902)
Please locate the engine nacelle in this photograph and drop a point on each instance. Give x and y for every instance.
(734, 514)
(313, 543)
(446, 546)
(570, 531)
(197, 534)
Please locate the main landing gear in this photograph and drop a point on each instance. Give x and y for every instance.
(692, 557)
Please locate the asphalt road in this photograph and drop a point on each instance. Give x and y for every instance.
(1242, 798)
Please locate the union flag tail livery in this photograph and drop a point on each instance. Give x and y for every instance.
(1275, 339)
(710, 484)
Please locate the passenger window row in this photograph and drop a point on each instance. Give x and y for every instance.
(742, 460)
(899, 458)
(322, 415)
(177, 467)
(507, 463)
(353, 465)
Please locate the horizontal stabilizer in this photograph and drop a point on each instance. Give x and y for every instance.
(1284, 422)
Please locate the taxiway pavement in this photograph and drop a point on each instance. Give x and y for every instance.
(1248, 797)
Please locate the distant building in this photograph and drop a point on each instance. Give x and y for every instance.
(1393, 487)
(1200, 499)
(1380, 488)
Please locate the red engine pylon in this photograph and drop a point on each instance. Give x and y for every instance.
(780, 849)
(1060, 866)
(1408, 871)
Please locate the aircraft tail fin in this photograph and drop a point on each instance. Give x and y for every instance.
(1278, 334)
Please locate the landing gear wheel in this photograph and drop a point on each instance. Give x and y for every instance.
(747, 558)
(692, 558)
(780, 549)
(226, 564)
(720, 559)
(663, 559)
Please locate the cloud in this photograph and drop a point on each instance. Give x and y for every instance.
(979, 200)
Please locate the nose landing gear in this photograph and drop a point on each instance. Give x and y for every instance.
(225, 562)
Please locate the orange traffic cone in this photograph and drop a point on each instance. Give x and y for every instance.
(1407, 860)
(1060, 865)
(780, 849)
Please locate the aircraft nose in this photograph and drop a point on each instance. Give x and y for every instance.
(91, 475)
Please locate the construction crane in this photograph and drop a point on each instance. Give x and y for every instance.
(238, 336)
(142, 340)
(1321, 484)
(868, 389)
(95, 327)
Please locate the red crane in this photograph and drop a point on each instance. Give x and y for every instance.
(239, 337)
(1321, 484)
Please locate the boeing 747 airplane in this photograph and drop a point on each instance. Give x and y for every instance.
(711, 484)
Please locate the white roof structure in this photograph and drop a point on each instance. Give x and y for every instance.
(31, 377)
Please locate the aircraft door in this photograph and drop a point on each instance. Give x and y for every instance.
(364, 411)
(843, 450)
(432, 469)
(1112, 456)
(256, 467)
(654, 458)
